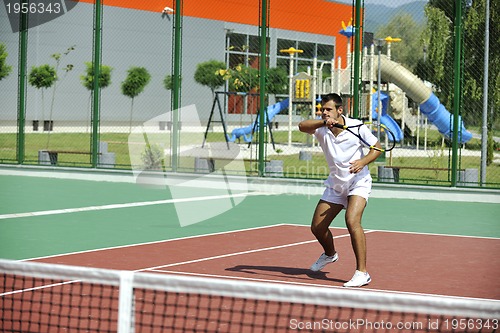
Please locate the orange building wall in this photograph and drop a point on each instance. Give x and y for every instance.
(312, 16)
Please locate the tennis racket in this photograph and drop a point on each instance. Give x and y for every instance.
(391, 138)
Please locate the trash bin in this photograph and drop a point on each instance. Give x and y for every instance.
(386, 174)
(274, 168)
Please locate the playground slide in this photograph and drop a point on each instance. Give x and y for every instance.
(419, 92)
(385, 119)
(393, 126)
(246, 132)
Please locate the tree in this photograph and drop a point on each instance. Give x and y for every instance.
(4, 68)
(57, 57)
(206, 74)
(409, 50)
(168, 82)
(277, 81)
(435, 39)
(87, 80)
(441, 15)
(135, 82)
(241, 78)
(473, 62)
(104, 76)
(244, 79)
(42, 77)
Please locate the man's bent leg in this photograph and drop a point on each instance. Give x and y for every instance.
(320, 226)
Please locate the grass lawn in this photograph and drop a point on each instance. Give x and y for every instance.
(315, 168)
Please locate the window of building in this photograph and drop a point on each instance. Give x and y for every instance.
(243, 49)
(325, 52)
(309, 50)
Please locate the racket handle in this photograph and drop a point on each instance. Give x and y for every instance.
(338, 126)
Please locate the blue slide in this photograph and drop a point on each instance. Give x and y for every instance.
(439, 116)
(430, 105)
(246, 132)
(385, 119)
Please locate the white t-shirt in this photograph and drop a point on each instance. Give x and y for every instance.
(344, 148)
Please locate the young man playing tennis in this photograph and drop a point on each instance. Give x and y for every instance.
(347, 187)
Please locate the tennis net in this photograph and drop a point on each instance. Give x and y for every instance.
(39, 297)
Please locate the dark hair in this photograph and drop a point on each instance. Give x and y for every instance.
(332, 97)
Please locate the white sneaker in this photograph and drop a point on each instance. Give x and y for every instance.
(359, 279)
(323, 261)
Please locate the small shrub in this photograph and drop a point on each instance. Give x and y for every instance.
(152, 157)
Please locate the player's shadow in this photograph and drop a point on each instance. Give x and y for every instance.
(298, 273)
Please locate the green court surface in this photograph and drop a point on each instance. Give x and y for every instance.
(42, 216)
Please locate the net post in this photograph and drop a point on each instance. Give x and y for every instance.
(125, 307)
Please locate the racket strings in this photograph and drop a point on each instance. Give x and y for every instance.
(380, 126)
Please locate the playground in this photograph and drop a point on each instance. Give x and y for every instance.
(396, 85)
(145, 190)
(437, 138)
(389, 88)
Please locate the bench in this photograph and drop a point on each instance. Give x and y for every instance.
(50, 157)
(417, 168)
(207, 164)
(390, 173)
(54, 154)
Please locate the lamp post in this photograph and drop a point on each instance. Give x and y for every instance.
(389, 41)
(378, 44)
(291, 51)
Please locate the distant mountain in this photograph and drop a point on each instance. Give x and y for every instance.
(379, 15)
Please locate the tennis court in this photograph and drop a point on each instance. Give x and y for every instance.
(415, 247)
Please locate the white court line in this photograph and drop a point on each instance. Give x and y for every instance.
(406, 232)
(321, 285)
(434, 234)
(157, 268)
(126, 205)
(154, 242)
(237, 254)
(242, 230)
(45, 286)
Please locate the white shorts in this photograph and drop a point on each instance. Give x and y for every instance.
(361, 186)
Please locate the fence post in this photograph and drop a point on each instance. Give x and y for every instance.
(21, 107)
(95, 89)
(457, 73)
(262, 91)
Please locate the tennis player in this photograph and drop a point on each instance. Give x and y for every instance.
(347, 187)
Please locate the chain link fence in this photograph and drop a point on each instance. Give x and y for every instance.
(180, 85)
